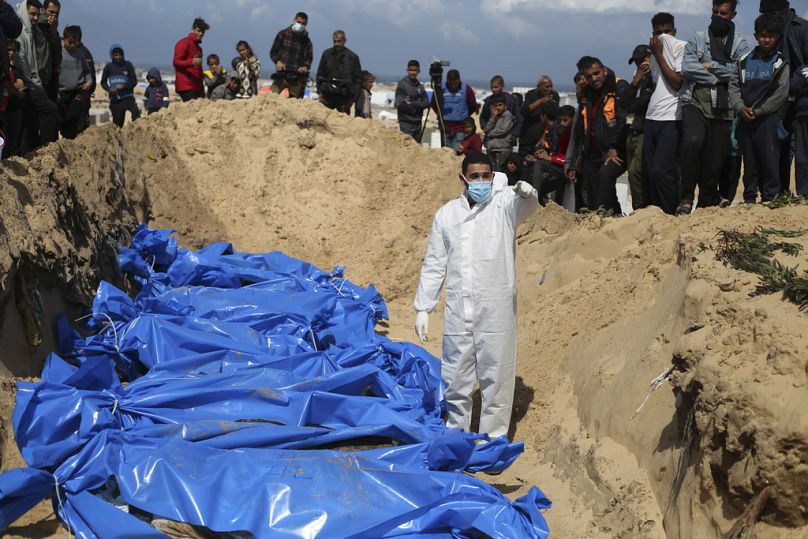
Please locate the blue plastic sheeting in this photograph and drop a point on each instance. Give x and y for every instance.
(250, 393)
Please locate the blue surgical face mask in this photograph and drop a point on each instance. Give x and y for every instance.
(479, 191)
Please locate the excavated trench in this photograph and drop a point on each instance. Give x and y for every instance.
(605, 306)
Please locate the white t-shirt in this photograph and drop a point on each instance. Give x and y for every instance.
(664, 103)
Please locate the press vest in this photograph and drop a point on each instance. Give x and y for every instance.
(455, 107)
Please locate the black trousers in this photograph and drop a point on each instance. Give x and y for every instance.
(661, 149)
(705, 147)
(341, 103)
(411, 129)
(119, 108)
(41, 124)
(548, 177)
(730, 177)
(189, 95)
(801, 155)
(12, 125)
(71, 113)
(761, 157)
(600, 181)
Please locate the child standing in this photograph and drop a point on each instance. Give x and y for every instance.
(74, 84)
(156, 95)
(498, 131)
(472, 143)
(758, 92)
(249, 69)
(214, 75)
(363, 101)
(119, 80)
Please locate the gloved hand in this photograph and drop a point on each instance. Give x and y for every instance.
(524, 190)
(422, 325)
(804, 73)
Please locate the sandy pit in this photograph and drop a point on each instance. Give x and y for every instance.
(605, 305)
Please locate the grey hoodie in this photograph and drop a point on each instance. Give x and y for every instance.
(26, 62)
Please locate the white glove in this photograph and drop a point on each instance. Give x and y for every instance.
(524, 190)
(804, 72)
(422, 325)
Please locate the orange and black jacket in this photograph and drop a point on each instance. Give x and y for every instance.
(607, 117)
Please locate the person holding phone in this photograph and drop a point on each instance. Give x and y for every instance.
(188, 62)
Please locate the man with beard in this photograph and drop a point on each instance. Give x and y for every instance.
(600, 135)
(709, 60)
(794, 47)
(540, 96)
(339, 75)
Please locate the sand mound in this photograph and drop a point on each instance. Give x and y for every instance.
(605, 305)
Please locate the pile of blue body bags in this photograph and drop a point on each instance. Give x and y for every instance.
(248, 395)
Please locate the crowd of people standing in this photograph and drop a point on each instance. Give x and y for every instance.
(694, 115)
(48, 78)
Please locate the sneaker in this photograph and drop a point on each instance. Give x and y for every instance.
(685, 208)
(724, 203)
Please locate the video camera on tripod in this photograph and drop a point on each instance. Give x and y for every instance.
(436, 70)
(436, 75)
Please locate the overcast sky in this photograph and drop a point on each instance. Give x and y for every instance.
(519, 39)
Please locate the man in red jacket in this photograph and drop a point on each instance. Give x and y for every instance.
(188, 62)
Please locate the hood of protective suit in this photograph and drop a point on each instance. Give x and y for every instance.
(154, 72)
(112, 48)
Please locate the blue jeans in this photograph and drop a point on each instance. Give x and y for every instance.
(453, 140)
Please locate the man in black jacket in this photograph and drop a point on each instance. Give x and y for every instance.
(339, 75)
(10, 28)
(50, 27)
(635, 100)
(532, 125)
(600, 135)
(794, 48)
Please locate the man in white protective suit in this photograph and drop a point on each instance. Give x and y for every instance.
(471, 248)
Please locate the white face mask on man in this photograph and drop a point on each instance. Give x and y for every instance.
(298, 27)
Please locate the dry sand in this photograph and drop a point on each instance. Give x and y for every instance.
(605, 305)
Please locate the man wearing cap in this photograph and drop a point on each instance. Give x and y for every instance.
(794, 48)
(662, 120)
(635, 98)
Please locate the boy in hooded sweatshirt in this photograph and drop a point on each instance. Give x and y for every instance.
(119, 80)
(156, 95)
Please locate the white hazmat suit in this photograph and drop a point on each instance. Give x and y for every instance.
(472, 250)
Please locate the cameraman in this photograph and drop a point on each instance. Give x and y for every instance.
(339, 75)
(458, 103)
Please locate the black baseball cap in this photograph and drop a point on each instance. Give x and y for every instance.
(639, 54)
